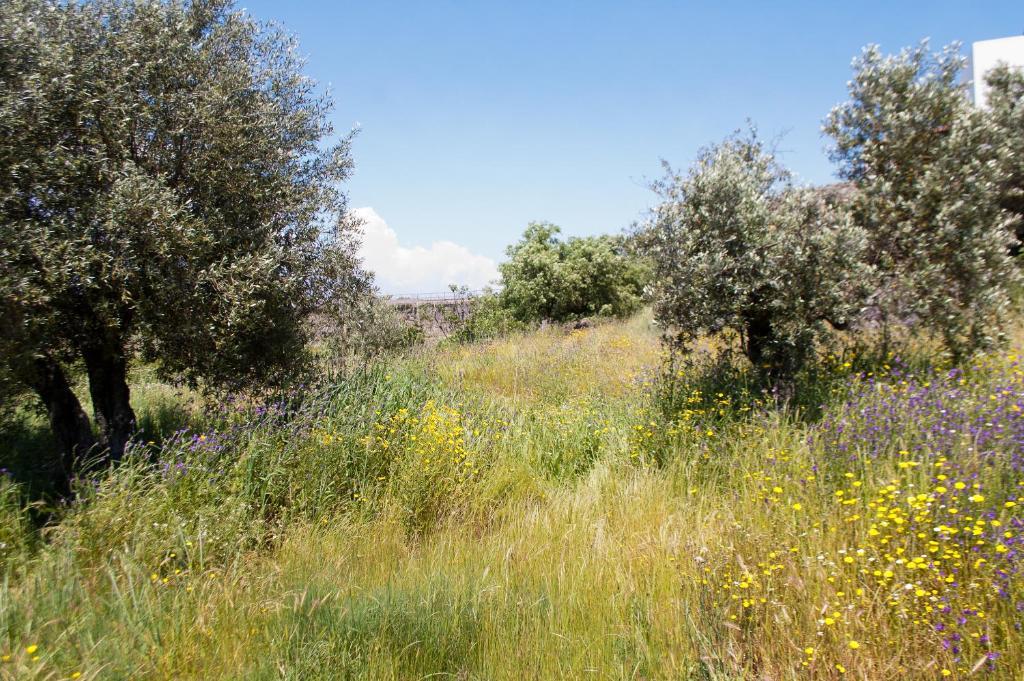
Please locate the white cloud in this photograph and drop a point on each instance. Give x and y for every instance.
(417, 269)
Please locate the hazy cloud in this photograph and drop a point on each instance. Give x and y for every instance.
(419, 269)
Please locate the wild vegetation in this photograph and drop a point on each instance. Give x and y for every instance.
(802, 460)
(541, 500)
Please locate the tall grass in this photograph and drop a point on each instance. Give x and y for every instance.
(548, 505)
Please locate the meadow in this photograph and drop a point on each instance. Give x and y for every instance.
(555, 504)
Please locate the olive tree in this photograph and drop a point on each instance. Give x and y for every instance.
(929, 177)
(549, 278)
(738, 249)
(1006, 113)
(168, 190)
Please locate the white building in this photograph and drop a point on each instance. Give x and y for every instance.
(987, 54)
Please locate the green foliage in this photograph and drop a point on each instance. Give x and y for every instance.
(367, 329)
(488, 318)
(738, 250)
(929, 174)
(546, 278)
(1006, 112)
(168, 189)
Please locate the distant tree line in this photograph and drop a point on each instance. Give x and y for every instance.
(546, 278)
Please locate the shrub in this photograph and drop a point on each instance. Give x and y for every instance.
(546, 278)
(432, 461)
(738, 250)
(367, 329)
(487, 319)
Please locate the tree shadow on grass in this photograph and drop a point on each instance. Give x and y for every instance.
(29, 453)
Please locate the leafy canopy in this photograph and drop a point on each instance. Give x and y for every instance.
(1006, 112)
(929, 169)
(167, 187)
(738, 250)
(546, 278)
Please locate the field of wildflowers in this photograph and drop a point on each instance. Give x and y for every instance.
(550, 505)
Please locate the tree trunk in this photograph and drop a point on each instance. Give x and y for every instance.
(108, 385)
(1014, 204)
(759, 337)
(776, 367)
(68, 421)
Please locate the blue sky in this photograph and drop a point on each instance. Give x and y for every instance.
(478, 117)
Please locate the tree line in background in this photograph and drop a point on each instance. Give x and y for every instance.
(545, 279)
(169, 195)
